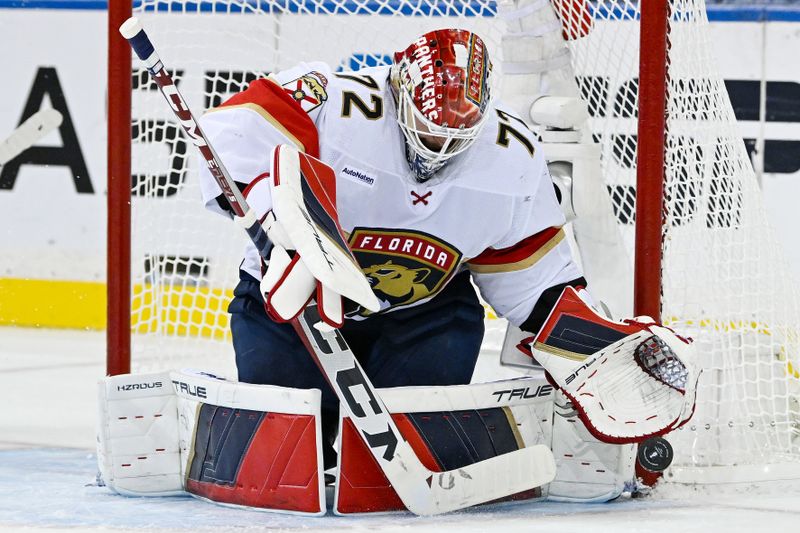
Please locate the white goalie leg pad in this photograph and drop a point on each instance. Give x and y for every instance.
(587, 470)
(259, 446)
(137, 438)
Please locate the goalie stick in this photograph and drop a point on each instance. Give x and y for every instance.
(28, 133)
(423, 491)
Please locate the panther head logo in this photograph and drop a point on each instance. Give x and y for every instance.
(403, 267)
(400, 284)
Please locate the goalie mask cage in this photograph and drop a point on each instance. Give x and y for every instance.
(706, 259)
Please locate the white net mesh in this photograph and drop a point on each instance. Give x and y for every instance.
(725, 283)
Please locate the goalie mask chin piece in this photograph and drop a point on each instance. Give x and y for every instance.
(423, 169)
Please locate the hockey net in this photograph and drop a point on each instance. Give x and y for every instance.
(724, 279)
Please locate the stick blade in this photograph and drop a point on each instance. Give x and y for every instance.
(485, 481)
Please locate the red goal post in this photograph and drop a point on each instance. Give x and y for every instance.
(118, 153)
(650, 168)
(684, 198)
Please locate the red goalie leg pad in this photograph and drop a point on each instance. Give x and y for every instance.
(256, 459)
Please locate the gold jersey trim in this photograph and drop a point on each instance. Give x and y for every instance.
(523, 263)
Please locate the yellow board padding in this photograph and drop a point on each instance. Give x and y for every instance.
(52, 303)
(721, 325)
(193, 311)
(184, 310)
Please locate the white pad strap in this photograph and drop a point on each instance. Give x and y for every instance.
(539, 30)
(506, 12)
(537, 66)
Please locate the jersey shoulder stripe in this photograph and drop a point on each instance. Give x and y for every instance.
(520, 256)
(280, 110)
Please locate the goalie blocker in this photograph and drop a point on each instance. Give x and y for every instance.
(259, 446)
(304, 220)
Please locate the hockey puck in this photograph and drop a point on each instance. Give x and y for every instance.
(655, 454)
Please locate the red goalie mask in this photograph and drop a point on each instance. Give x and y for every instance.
(442, 83)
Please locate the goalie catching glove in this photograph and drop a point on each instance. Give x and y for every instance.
(628, 380)
(310, 255)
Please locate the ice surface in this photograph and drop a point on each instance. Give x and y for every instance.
(48, 467)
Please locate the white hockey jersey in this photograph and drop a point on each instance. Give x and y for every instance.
(491, 209)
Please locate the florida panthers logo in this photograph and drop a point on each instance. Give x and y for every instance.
(403, 267)
(308, 90)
